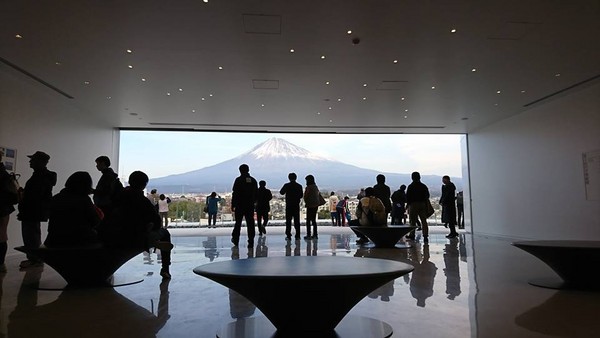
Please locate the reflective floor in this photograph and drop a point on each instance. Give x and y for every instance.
(469, 286)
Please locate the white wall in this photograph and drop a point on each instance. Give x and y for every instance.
(33, 118)
(527, 171)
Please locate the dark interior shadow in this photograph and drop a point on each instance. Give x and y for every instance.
(101, 312)
(565, 314)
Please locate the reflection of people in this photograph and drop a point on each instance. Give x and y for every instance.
(263, 206)
(385, 292)
(451, 269)
(34, 204)
(210, 248)
(422, 278)
(460, 210)
(73, 217)
(417, 196)
(239, 306)
(242, 202)
(261, 249)
(293, 194)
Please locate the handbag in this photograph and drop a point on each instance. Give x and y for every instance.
(429, 208)
(321, 200)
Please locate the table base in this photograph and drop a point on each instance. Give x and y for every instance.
(113, 281)
(351, 326)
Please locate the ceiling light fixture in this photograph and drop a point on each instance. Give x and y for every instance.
(349, 32)
(327, 82)
(18, 36)
(557, 74)
(498, 92)
(262, 105)
(406, 110)
(193, 110)
(205, 1)
(168, 94)
(395, 61)
(292, 50)
(339, 99)
(330, 121)
(453, 30)
(522, 92)
(329, 108)
(322, 57)
(474, 69)
(405, 116)
(108, 97)
(86, 82)
(402, 99)
(202, 99)
(432, 87)
(220, 68)
(211, 95)
(364, 98)
(318, 113)
(130, 67)
(180, 89)
(364, 84)
(143, 79)
(129, 51)
(58, 63)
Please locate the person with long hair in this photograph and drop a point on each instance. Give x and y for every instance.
(311, 200)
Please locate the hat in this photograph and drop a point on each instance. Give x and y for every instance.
(40, 155)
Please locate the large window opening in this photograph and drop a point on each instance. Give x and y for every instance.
(189, 166)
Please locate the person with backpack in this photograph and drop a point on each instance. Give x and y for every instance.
(108, 187)
(8, 198)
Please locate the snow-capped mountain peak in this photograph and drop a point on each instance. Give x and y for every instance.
(279, 148)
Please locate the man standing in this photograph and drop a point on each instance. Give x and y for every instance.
(108, 186)
(263, 206)
(242, 202)
(293, 194)
(398, 205)
(383, 192)
(448, 206)
(417, 196)
(34, 204)
(333, 201)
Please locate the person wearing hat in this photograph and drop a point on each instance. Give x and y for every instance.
(34, 204)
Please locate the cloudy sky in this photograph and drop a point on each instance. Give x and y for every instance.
(165, 153)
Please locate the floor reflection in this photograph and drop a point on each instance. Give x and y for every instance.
(423, 277)
(452, 270)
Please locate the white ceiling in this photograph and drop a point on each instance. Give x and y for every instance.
(517, 48)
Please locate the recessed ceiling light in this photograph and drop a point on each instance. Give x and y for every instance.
(168, 94)
(405, 116)
(86, 82)
(339, 99)
(130, 67)
(495, 104)
(474, 69)
(557, 74)
(395, 61)
(180, 89)
(498, 91)
(349, 32)
(453, 30)
(202, 99)
(193, 110)
(220, 68)
(364, 98)
(318, 113)
(205, 1)
(58, 63)
(211, 95)
(402, 99)
(330, 121)
(364, 84)
(406, 110)
(322, 57)
(292, 50)
(129, 51)
(18, 36)
(522, 92)
(109, 97)
(327, 82)
(143, 79)
(432, 87)
(329, 108)
(262, 105)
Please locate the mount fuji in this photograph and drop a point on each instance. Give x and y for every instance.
(272, 160)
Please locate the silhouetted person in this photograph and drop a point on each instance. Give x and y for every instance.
(163, 209)
(383, 192)
(452, 270)
(335, 217)
(73, 217)
(417, 195)
(448, 206)
(312, 202)
(399, 205)
(135, 223)
(263, 206)
(460, 210)
(370, 212)
(293, 194)
(35, 203)
(422, 278)
(212, 204)
(108, 186)
(341, 208)
(242, 202)
(8, 198)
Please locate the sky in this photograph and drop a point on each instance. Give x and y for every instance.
(163, 153)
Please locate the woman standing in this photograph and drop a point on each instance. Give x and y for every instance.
(312, 202)
(7, 199)
(213, 207)
(163, 210)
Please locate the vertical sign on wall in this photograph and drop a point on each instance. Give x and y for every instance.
(591, 175)
(9, 158)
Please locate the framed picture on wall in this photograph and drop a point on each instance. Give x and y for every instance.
(9, 158)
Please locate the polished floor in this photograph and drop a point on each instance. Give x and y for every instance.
(471, 286)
